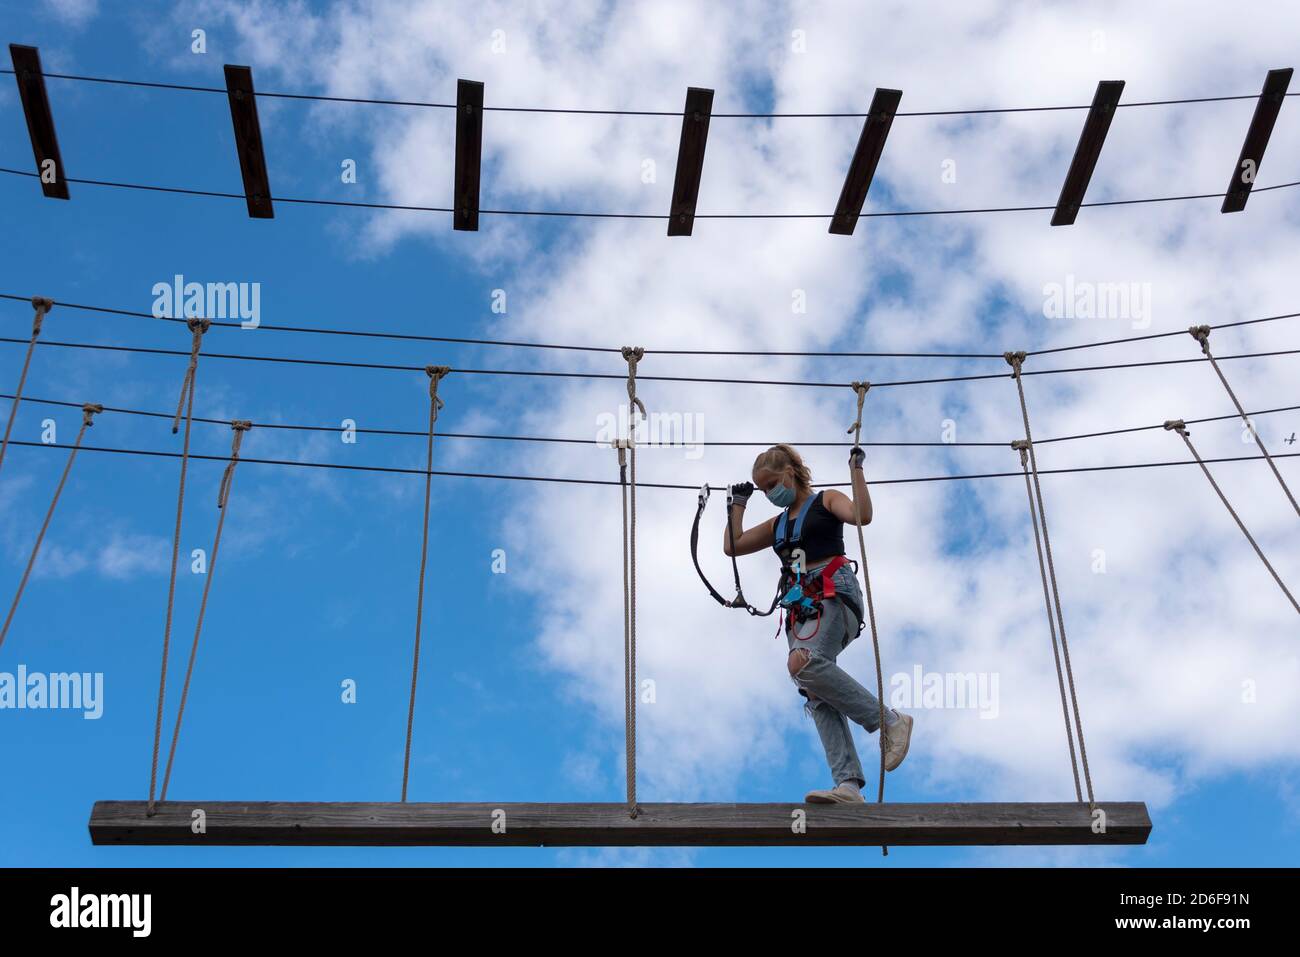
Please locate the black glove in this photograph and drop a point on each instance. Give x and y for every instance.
(857, 457)
(739, 494)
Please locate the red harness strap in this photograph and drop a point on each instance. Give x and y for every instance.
(828, 583)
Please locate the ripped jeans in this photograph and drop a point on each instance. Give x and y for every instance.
(834, 697)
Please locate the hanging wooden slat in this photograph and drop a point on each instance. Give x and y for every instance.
(469, 153)
(871, 142)
(248, 141)
(1095, 128)
(40, 121)
(1252, 150)
(690, 160)
(266, 823)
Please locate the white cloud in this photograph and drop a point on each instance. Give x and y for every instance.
(74, 12)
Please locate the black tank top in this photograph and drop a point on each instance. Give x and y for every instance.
(819, 533)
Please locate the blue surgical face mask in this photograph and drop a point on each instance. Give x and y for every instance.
(781, 496)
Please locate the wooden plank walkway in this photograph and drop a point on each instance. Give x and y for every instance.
(598, 825)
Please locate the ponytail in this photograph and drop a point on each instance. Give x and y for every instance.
(780, 457)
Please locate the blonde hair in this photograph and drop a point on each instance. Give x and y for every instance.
(781, 457)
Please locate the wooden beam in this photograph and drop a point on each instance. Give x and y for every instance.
(248, 141)
(469, 153)
(690, 160)
(1252, 150)
(40, 121)
(596, 825)
(1086, 153)
(871, 141)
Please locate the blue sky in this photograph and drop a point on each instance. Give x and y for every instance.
(520, 682)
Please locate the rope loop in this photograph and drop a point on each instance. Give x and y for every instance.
(1015, 360)
(436, 375)
(633, 355)
(861, 389)
(1022, 446)
(89, 410)
(1202, 335)
(239, 427)
(42, 305)
(197, 327)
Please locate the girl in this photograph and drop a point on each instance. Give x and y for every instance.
(809, 538)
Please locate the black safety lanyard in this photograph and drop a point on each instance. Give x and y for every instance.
(739, 601)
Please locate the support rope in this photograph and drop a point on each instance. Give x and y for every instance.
(42, 306)
(627, 450)
(1016, 360)
(1022, 447)
(87, 411)
(860, 388)
(1202, 335)
(435, 374)
(1179, 426)
(239, 427)
(197, 328)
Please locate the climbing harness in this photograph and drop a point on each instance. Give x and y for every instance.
(1179, 426)
(88, 410)
(42, 306)
(803, 594)
(436, 375)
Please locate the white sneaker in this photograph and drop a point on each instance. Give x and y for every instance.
(844, 793)
(897, 739)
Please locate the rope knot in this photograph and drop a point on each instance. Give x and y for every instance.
(88, 410)
(198, 327)
(1021, 446)
(633, 355)
(238, 427)
(42, 306)
(1015, 360)
(1176, 425)
(436, 375)
(1202, 335)
(860, 388)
